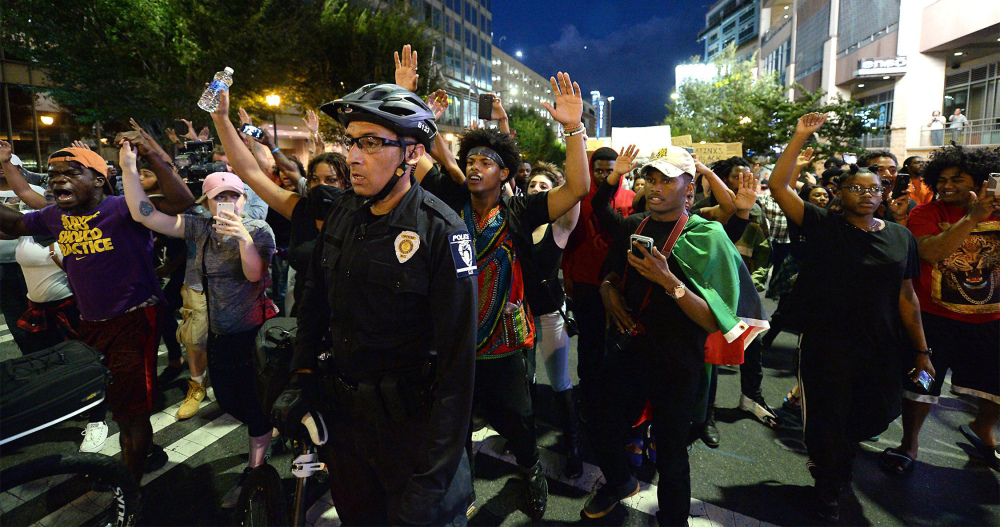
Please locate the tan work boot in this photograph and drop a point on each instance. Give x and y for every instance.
(189, 408)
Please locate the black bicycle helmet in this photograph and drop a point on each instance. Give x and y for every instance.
(388, 105)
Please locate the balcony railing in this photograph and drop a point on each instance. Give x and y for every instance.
(979, 132)
(875, 141)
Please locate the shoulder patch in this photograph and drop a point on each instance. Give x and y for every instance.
(462, 254)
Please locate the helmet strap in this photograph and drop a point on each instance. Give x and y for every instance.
(389, 185)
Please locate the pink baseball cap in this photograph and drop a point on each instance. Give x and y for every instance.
(218, 182)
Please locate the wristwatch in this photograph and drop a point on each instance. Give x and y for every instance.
(677, 292)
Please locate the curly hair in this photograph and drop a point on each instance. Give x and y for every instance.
(976, 162)
(549, 170)
(723, 167)
(866, 159)
(500, 142)
(336, 161)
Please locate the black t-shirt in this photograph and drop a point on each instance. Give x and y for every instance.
(848, 287)
(313, 207)
(281, 227)
(665, 324)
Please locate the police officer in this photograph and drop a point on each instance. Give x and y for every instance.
(387, 326)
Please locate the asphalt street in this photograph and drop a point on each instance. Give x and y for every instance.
(756, 477)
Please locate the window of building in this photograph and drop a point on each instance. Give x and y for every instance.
(882, 104)
(863, 21)
(974, 91)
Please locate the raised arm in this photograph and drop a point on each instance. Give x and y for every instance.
(243, 163)
(139, 206)
(440, 152)
(937, 247)
(16, 180)
(789, 201)
(725, 198)
(568, 111)
(177, 197)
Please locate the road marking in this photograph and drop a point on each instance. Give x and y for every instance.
(86, 507)
(160, 420)
(487, 441)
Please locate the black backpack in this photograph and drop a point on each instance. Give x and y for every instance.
(43, 388)
(272, 359)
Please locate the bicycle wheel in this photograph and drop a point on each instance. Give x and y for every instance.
(261, 502)
(110, 475)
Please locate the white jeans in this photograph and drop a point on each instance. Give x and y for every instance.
(552, 345)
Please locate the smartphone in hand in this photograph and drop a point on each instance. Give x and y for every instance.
(486, 106)
(850, 158)
(993, 186)
(645, 241)
(252, 131)
(901, 185)
(229, 207)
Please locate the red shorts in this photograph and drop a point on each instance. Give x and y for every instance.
(129, 343)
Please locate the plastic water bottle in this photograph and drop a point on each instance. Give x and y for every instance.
(210, 99)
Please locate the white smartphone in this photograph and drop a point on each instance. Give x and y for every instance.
(993, 187)
(228, 206)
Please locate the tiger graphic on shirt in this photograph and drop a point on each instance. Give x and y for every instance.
(968, 280)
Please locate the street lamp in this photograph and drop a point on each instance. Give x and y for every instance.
(46, 120)
(519, 54)
(273, 101)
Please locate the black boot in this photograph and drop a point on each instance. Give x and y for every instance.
(537, 493)
(566, 406)
(710, 434)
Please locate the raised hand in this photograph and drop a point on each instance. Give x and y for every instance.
(222, 109)
(438, 103)
(746, 195)
(203, 134)
(568, 107)
(406, 68)
(312, 121)
(626, 160)
(809, 123)
(983, 205)
(6, 152)
(172, 136)
(498, 113)
(80, 144)
(127, 154)
(136, 140)
(190, 133)
(805, 159)
(244, 117)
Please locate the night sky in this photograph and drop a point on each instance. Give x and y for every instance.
(624, 49)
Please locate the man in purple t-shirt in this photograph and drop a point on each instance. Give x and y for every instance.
(108, 258)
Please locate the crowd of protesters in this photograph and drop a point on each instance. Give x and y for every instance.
(427, 283)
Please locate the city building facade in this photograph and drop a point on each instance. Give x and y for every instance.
(520, 86)
(731, 22)
(904, 59)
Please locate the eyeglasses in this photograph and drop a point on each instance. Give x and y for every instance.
(372, 144)
(858, 190)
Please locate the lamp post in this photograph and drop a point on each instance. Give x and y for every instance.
(273, 101)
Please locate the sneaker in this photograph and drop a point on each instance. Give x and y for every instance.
(94, 437)
(233, 496)
(192, 403)
(602, 502)
(156, 458)
(759, 409)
